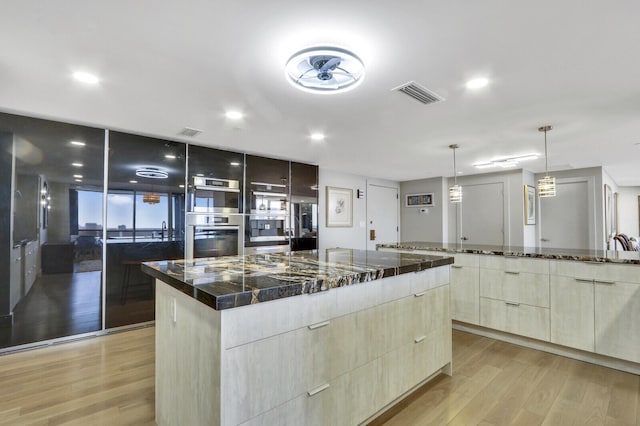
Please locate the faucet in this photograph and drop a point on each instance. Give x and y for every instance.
(164, 228)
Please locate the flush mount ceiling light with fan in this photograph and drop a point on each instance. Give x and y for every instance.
(324, 70)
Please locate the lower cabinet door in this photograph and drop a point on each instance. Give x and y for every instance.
(533, 321)
(617, 319)
(493, 314)
(572, 312)
(465, 293)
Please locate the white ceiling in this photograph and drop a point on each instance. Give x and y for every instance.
(168, 64)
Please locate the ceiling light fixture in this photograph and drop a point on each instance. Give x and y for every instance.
(234, 115)
(324, 70)
(506, 161)
(77, 143)
(133, 181)
(77, 164)
(78, 180)
(85, 77)
(477, 83)
(152, 173)
(234, 164)
(317, 137)
(455, 192)
(151, 198)
(547, 184)
(170, 157)
(77, 176)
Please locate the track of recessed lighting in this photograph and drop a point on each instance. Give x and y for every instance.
(506, 162)
(317, 137)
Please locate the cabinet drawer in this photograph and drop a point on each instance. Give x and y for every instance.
(465, 293)
(605, 271)
(518, 287)
(515, 264)
(572, 313)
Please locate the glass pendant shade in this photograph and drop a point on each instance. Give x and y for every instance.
(547, 186)
(455, 194)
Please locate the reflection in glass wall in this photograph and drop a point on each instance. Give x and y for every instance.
(145, 221)
(52, 174)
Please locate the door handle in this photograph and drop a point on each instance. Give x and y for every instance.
(464, 238)
(544, 240)
(372, 234)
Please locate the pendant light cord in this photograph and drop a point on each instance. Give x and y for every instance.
(546, 157)
(455, 176)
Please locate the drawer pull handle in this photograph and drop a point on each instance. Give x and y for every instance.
(318, 389)
(512, 272)
(456, 266)
(419, 339)
(319, 325)
(582, 280)
(605, 282)
(512, 304)
(420, 294)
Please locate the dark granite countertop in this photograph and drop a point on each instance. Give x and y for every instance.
(231, 281)
(628, 257)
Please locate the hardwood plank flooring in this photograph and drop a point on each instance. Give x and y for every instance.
(110, 381)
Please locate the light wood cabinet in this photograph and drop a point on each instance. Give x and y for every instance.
(514, 295)
(572, 311)
(617, 319)
(15, 276)
(30, 265)
(341, 369)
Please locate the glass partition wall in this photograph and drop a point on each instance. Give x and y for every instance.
(73, 234)
(52, 176)
(145, 217)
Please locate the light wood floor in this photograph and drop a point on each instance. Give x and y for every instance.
(109, 381)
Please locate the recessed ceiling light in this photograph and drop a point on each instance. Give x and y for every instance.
(133, 181)
(324, 70)
(77, 143)
(77, 176)
(234, 164)
(86, 77)
(477, 83)
(170, 156)
(233, 115)
(317, 136)
(77, 164)
(152, 173)
(506, 161)
(181, 186)
(78, 180)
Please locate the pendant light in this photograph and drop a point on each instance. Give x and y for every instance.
(547, 184)
(455, 192)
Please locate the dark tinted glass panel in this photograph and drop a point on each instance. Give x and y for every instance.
(145, 220)
(51, 186)
(266, 202)
(304, 206)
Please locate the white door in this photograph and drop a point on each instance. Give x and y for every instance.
(382, 215)
(564, 219)
(482, 214)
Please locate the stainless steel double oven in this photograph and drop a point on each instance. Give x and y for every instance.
(214, 224)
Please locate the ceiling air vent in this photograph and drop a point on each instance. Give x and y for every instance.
(190, 132)
(419, 93)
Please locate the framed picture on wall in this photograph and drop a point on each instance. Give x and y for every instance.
(339, 207)
(609, 221)
(419, 200)
(529, 205)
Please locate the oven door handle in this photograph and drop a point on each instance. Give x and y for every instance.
(216, 188)
(216, 228)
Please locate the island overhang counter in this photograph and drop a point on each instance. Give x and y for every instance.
(319, 337)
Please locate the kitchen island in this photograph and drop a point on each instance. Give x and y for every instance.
(583, 304)
(313, 337)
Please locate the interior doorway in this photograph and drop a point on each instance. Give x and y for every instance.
(382, 215)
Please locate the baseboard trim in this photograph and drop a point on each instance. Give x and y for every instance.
(593, 358)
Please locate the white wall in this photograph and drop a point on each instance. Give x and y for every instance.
(428, 223)
(355, 236)
(628, 210)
